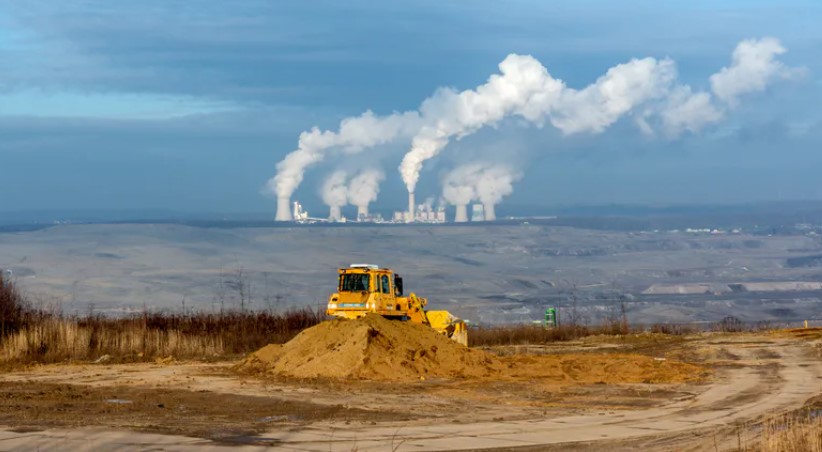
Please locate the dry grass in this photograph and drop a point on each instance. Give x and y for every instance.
(792, 433)
(47, 338)
(28, 335)
(534, 334)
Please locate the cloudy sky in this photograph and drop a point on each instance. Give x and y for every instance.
(189, 106)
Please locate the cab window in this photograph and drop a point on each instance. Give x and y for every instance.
(385, 286)
(355, 282)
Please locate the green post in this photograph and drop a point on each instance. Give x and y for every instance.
(551, 318)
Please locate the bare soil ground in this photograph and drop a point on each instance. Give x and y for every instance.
(209, 405)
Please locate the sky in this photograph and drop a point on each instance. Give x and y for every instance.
(189, 106)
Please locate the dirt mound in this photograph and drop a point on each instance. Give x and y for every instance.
(372, 348)
(596, 368)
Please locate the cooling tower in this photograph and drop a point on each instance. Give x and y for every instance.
(283, 210)
(489, 212)
(362, 211)
(335, 214)
(462, 214)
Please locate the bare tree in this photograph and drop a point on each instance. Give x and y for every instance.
(237, 287)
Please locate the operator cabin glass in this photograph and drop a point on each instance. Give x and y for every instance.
(384, 287)
(353, 282)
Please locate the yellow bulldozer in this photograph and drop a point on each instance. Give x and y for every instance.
(364, 289)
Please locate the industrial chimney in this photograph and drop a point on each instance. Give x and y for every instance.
(283, 210)
(462, 214)
(411, 207)
(490, 215)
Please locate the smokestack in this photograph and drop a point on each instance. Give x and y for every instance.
(335, 214)
(489, 212)
(362, 211)
(283, 209)
(462, 214)
(411, 206)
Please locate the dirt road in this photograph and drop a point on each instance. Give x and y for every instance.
(756, 375)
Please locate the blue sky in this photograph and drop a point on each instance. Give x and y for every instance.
(188, 106)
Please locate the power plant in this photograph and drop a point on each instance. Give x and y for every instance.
(426, 212)
(647, 89)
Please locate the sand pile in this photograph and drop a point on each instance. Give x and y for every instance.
(372, 348)
(599, 368)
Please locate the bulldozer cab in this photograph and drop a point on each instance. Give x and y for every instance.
(364, 289)
(366, 281)
(363, 286)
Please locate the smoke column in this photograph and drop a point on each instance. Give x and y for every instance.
(458, 189)
(753, 67)
(644, 88)
(482, 181)
(334, 193)
(355, 135)
(494, 184)
(364, 188)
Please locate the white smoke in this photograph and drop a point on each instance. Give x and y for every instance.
(355, 134)
(752, 68)
(620, 90)
(334, 192)
(460, 114)
(496, 183)
(646, 89)
(481, 181)
(364, 187)
(458, 185)
(686, 111)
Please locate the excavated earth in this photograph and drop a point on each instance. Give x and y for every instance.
(374, 348)
(355, 385)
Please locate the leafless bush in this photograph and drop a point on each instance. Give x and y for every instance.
(674, 329)
(730, 324)
(13, 307)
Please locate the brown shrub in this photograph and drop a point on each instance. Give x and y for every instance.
(47, 338)
(13, 308)
(529, 334)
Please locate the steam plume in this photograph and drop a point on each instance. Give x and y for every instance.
(752, 68)
(355, 134)
(484, 182)
(334, 193)
(646, 89)
(364, 188)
